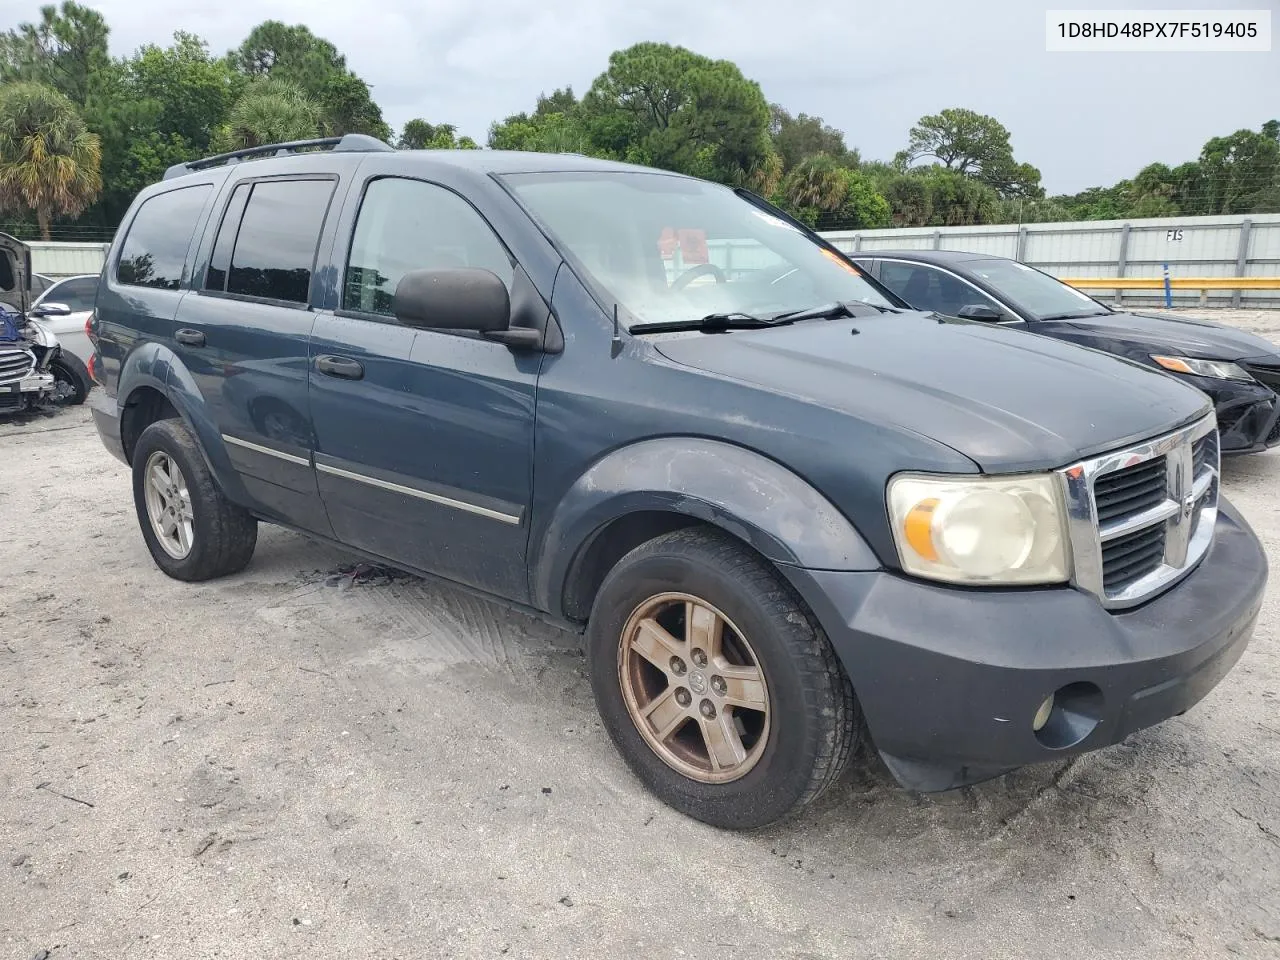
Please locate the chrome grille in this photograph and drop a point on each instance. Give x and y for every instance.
(15, 364)
(1131, 490)
(1143, 517)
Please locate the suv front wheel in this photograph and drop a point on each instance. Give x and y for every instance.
(715, 683)
(191, 529)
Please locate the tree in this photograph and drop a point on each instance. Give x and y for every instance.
(910, 200)
(563, 102)
(269, 111)
(974, 145)
(816, 182)
(420, 135)
(49, 163)
(800, 137)
(64, 50)
(295, 55)
(1241, 172)
(193, 91)
(669, 107)
(862, 206)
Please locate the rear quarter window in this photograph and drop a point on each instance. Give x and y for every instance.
(155, 249)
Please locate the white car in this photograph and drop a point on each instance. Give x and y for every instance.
(64, 307)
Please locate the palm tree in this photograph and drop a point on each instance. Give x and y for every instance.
(816, 181)
(49, 162)
(270, 111)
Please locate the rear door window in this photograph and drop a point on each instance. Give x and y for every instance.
(273, 242)
(155, 248)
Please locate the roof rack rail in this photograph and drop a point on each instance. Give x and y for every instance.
(350, 143)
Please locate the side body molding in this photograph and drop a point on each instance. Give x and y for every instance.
(736, 489)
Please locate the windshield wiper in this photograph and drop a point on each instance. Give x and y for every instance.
(1076, 315)
(712, 323)
(830, 311)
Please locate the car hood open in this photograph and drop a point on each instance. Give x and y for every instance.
(1008, 401)
(18, 256)
(1131, 334)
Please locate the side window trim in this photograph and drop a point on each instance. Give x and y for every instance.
(315, 257)
(217, 235)
(1014, 316)
(352, 314)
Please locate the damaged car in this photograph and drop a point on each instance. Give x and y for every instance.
(34, 368)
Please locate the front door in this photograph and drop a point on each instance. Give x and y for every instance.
(424, 438)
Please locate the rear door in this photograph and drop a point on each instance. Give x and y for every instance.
(243, 335)
(424, 438)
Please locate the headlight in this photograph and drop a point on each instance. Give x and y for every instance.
(980, 529)
(1218, 369)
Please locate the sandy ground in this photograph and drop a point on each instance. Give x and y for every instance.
(286, 764)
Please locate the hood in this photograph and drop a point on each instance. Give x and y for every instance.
(1006, 400)
(15, 273)
(1127, 333)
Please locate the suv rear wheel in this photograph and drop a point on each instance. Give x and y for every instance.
(191, 529)
(715, 683)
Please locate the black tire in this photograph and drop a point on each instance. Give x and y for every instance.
(223, 534)
(68, 369)
(813, 716)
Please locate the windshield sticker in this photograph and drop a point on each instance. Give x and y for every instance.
(693, 245)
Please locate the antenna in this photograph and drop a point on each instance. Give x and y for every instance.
(615, 345)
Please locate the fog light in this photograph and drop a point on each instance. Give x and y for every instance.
(1042, 715)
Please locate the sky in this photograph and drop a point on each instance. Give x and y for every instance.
(870, 69)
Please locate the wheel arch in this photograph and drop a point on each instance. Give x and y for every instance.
(649, 488)
(155, 385)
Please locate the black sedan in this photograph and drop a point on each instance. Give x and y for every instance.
(1240, 371)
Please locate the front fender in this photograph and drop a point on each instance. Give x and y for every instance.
(156, 366)
(744, 493)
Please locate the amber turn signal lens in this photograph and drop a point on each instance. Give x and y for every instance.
(1173, 363)
(918, 528)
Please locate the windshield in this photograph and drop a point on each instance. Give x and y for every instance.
(670, 249)
(1036, 293)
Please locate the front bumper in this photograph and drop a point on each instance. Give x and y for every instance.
(21, 394)
(1248, 413)
(949, 679)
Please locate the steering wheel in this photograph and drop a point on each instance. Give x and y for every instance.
(694, 272)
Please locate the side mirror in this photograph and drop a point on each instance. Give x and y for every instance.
(979, 311)
(461, 298)
(51, 310)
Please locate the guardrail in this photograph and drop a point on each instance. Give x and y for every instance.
(1169, 284)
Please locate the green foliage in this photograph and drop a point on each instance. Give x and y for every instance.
(817, 182)
(49, 162)
(800, 137)
(420, 135)
(668, 107)
(269, 111)
(296, 56)
(64, 50)
(655, 104)
(191, 90)
(975, 145)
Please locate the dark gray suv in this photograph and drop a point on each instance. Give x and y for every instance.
(784, 509)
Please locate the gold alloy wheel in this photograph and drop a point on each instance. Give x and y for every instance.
(694, 688)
